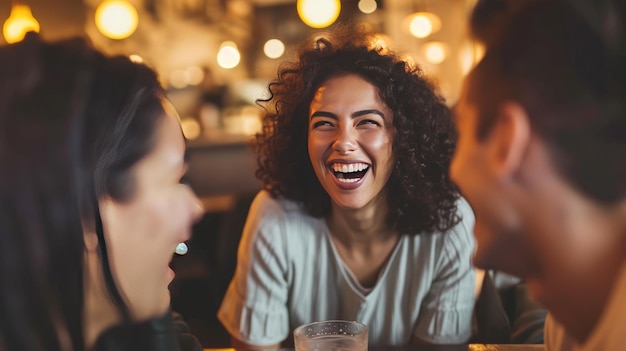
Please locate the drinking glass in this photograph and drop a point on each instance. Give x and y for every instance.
(333, 335)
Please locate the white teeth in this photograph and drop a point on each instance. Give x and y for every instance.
(349, 168)
(348, 180)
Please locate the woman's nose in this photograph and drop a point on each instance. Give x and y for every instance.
(345, 141)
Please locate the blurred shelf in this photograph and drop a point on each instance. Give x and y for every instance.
(220, 139)
(222, 165)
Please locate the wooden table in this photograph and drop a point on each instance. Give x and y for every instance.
(470, 347)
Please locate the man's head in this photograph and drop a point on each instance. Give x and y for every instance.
(542, 137)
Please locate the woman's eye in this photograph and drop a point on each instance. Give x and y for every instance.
(369, 122)
(322, 124)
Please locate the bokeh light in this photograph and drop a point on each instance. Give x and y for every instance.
(116, 19)
(20, 22)
(318, 13)
(194, 75)
(435, 52)
(423, 24)
(274, 48)
(367, 6)
(228, 56)
(135, 58)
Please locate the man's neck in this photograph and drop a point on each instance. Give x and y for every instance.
(579, 300)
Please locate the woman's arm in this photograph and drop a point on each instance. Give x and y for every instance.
(254, 308)
(446, 312)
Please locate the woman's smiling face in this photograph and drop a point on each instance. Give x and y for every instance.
(142, 233)
(350, 140)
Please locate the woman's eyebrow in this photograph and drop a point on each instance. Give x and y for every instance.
(354, 114)
(324, 114)
(367, 112)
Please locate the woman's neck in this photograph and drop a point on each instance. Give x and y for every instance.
(363, 226)
(363, 239)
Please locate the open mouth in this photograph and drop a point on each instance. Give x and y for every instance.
(349, 172)
(172, 265)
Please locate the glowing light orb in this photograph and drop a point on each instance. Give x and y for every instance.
(116, 19)
(274, 48)
(20, 22)
(318, 13)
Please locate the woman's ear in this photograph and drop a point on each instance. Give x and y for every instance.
(509, 140)
(91, 238)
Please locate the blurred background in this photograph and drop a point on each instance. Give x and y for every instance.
(215, 58)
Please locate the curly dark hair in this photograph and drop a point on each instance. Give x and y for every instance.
(420, 196)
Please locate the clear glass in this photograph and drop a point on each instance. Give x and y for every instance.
(331, 336)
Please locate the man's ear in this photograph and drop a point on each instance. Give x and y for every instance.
(509, 140)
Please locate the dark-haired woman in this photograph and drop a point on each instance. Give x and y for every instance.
(91, 205)
(358, 219)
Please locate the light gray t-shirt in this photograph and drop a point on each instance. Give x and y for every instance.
(289, 273)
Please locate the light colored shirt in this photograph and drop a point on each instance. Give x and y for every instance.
(608, 335)
(289, 273)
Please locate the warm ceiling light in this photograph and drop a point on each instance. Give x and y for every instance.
(274, 48)
(20, 22)
(435, 52)
(423, 24)
(195, 75)
(136, 58)
(367, 6)
(228, 56)
(318, 13)
(116, 19)
(178, 79)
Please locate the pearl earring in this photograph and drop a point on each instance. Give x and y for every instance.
(181, 249)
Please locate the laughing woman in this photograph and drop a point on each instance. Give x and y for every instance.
(91, 207)
(358, 219)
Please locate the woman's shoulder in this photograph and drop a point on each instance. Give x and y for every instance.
(280, 213)
(460, 237)
(465, 213)
(465, 223)
(283, 227)
(265, 203)
(459, 240)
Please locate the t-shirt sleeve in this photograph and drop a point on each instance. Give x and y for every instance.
(446, 313)
(556, 337)
(254, 308)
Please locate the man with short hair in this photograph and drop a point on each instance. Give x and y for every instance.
(541, 157)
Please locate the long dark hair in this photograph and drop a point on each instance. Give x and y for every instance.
(72, 124)
(421, 197)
